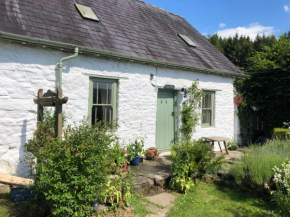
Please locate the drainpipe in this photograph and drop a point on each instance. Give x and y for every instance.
(60, 65)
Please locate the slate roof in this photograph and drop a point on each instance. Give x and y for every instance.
(129, 27)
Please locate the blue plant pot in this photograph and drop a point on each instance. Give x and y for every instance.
(135, 161)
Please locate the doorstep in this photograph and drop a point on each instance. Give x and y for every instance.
(152, 176)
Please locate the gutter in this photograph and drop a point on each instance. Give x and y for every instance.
(60, 65)
(106, 54)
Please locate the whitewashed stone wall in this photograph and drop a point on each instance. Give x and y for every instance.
(24, 70)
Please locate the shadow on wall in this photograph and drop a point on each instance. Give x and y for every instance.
(22, 168)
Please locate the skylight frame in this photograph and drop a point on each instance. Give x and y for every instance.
(187, 40)
(87, 12)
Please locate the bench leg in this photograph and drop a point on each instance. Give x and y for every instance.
(212, 145)
(220, 146)
(226, 147)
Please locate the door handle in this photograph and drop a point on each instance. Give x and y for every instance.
(172, 113)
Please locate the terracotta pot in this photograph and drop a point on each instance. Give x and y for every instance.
(152, 153)
(124, 168)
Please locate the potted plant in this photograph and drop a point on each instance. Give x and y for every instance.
(118, 155)
(135, 150)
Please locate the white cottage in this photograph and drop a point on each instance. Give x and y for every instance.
(131, 62)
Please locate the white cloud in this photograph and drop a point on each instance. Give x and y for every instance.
(286, 8)
(223, 25)
(251, 30)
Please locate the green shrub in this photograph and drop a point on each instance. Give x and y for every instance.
(281, 133)
(255, 168)
(232, 145)
(118, 158)
(191, 159)
(70, 172)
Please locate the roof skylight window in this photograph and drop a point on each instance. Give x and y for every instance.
(87, 12)
(187, 40)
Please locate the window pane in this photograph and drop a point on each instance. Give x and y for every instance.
(110, 87)
(101, 113)
(95, 91)
(102, 93)
(206, 117)
(206, 102)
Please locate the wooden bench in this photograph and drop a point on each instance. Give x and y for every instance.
(219, 140)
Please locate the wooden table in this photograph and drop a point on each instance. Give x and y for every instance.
(218, 139)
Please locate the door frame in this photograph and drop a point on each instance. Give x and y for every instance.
(175, 110)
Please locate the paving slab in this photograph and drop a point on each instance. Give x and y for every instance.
(152, 176)
(150, 168)
(164, 199)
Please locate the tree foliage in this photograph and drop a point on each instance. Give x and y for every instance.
(267, 88)
(266, 91)
(239, 49)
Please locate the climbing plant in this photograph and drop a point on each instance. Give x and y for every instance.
(191, 159)
(191, 110)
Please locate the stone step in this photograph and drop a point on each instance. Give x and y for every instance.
(152, 177)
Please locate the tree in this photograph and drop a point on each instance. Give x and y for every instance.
(267, 88)
(237, 49)
(266, 91)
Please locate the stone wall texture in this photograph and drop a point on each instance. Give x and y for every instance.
(24, 70)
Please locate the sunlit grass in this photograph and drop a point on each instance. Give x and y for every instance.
(211, 200)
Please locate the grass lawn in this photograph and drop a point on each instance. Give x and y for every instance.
(216, 200)
(208, 200)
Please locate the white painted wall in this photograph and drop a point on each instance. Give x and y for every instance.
(24, 70)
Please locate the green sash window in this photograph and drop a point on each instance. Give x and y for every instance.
(207, 118)
(102, 100)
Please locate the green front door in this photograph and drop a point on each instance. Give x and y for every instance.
(165, 119)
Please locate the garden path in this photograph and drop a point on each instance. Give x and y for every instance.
(165, 201)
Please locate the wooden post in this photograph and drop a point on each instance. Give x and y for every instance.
(39, 107)
(58, 114)
(51, 99)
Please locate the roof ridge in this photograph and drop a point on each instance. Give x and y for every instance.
(156, 7)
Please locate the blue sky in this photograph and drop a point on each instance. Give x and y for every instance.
(226, 17)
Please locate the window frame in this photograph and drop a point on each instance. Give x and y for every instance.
(114, 83)
(212, 122)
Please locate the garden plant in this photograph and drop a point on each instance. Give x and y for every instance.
(72, 173)
(281, 196)
(191, 159)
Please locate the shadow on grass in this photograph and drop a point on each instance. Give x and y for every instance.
(30, 208)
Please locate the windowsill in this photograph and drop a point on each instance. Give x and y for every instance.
(207, 126)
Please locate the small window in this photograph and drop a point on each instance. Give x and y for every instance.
(207, 119)
(87, 12)
(102, 100)
(187, 40)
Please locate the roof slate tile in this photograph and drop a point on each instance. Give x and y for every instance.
(129, 27)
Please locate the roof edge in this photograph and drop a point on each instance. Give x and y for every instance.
(106, 54)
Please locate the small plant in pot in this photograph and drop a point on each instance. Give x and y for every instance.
(135, 150)
(119, 160)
